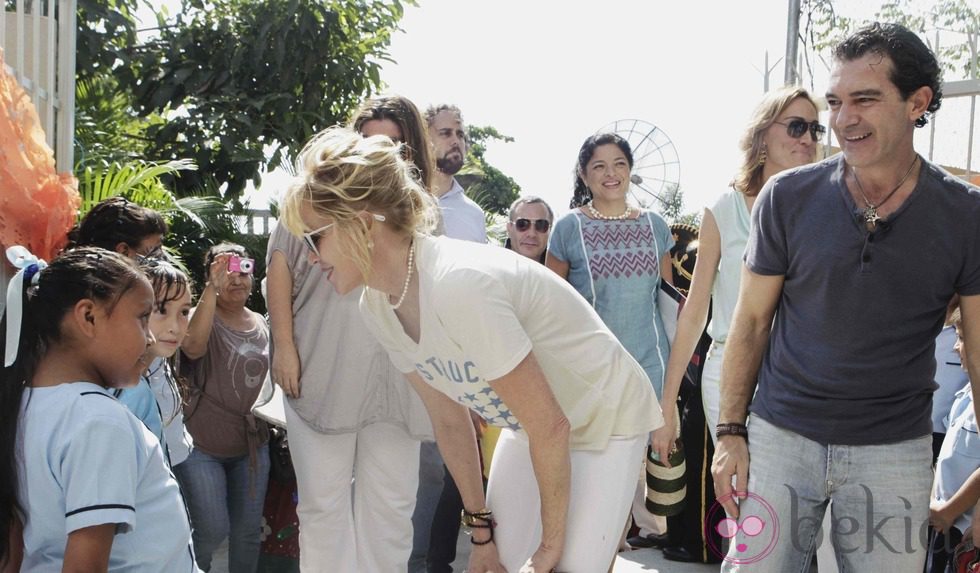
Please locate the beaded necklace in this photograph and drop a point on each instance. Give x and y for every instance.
(597, 215)
(408, 277)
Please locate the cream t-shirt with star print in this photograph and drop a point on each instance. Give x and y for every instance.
(483, 309)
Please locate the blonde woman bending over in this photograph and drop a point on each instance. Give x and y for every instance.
(478, 327)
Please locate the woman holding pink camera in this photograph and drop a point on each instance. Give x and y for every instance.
(225, 477)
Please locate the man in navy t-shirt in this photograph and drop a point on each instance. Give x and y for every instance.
(849, 267)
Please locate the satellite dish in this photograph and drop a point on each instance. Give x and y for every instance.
(656, 168)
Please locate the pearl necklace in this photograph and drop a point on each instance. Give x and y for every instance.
(597, 215)
(408, 277)
(870, 211)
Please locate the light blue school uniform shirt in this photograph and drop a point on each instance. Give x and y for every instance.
(615, 265)
(959, 456)
(83, 460)
(142, 402)
(950, 377)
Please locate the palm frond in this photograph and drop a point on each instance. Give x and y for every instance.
(139, 181)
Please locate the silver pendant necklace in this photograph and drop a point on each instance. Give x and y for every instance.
(870, 210)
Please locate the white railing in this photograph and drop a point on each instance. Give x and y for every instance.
(255, 222)
(956, 120)
(38, 40)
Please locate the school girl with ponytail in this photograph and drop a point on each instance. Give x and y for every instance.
(83, 476)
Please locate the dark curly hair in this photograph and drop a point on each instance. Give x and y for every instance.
(913, 63)
(581, 193)
(117, 220)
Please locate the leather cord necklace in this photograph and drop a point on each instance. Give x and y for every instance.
(870, 211)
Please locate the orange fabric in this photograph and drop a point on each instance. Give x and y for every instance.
(38, 205)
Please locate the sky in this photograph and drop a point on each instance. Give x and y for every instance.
(549, 74)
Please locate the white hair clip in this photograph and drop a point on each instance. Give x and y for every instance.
(29, 268)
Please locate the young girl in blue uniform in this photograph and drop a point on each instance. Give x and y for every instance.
(78, 471)
(155, 399)
(956, 488)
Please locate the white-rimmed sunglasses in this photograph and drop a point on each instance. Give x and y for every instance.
(312, 238)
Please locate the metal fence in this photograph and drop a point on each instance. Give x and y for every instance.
(953, 136)
(38, 40)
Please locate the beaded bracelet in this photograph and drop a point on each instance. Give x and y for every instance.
(482, 519)
(732, 429)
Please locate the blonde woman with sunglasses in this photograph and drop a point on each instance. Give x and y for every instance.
(783, 133)
(478, 327)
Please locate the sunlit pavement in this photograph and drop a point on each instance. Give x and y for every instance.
(653, 560)
(648, 560)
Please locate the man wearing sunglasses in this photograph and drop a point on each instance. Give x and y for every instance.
(529, 227)
(860, 253)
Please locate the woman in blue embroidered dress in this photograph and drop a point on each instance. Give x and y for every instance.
(615, 255)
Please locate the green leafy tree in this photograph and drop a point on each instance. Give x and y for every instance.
(672, 208)
(240, 80)
(224, 84)
(106, 38)
(823, 27)
(107, 128)
(491, 188)
(233, 85)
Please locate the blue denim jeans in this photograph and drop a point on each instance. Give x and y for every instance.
(431, 480)
(880, 507)
(225, 498)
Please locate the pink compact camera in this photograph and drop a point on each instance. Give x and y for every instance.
(238, 264)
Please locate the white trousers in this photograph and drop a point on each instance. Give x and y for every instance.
(710, 388)
(345, 528)
(602, 484)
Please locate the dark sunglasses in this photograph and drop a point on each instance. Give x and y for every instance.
(797, 127)
(540, 225)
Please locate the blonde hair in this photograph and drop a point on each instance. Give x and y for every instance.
(341, 175)
(748, 178)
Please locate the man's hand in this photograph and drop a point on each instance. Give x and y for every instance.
(731, 459)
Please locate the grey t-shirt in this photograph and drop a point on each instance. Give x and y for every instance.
(347, 381)
(850, 358)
